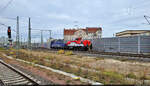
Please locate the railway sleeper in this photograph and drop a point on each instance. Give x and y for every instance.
(21, 83)
(9, 77)
(12, 79)
(16, 81)
(12, 74)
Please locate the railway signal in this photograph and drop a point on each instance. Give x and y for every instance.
(9, 36)
(9, 32)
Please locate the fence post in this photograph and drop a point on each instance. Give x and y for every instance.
(104, 46)
(119, 44)
(139, 45)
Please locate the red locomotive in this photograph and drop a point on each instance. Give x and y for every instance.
(79, 44)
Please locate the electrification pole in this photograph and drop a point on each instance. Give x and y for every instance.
(17, 37)
(24, 43)
(41, 38)
(21, 41)
(29, 35)
(50, 34)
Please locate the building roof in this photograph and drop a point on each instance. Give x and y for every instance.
(93, 29)
(69, 31)
(132, 32)
(88, 29)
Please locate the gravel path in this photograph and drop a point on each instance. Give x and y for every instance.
(114, 57)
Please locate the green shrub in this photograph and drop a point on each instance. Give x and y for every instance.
(68, 81)
(35, 61)
(61, 52)
(113, 76)
(12, 49)
(2, 48)
(11, 53)
(144, 78)
(99, 58)
(47, 57)
(68, 53)
(131, 75)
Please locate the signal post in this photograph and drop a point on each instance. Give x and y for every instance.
(9, 36)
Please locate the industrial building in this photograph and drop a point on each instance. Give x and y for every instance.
(133, 33)
(87, 33)
(3, 41)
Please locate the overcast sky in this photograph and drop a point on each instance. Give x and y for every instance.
(112, 15)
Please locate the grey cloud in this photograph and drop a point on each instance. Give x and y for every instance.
(112, 15)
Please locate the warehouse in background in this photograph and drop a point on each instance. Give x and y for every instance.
(133, 33)
(3, 41)
(88, 33)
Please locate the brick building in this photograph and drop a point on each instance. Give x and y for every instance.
(87, 33)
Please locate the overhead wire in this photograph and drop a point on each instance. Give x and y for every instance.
(147, 19)
(9, 18)
(7, 26)
(3, 24)
(2, 10)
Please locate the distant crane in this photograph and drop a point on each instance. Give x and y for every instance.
(146, 17)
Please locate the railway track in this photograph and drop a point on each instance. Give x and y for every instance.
(12, 76)
(101, 53)
(121, 56)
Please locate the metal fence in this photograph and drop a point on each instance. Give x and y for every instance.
(133, 44)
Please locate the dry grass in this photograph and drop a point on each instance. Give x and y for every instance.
(114, 65)
(1, 49)
(111, 71)
(68, 53)
(61, 52)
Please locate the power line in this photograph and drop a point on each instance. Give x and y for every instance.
(3, 24)
(7, 26)
(146, 18)
(2, 10)
(9, 18)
